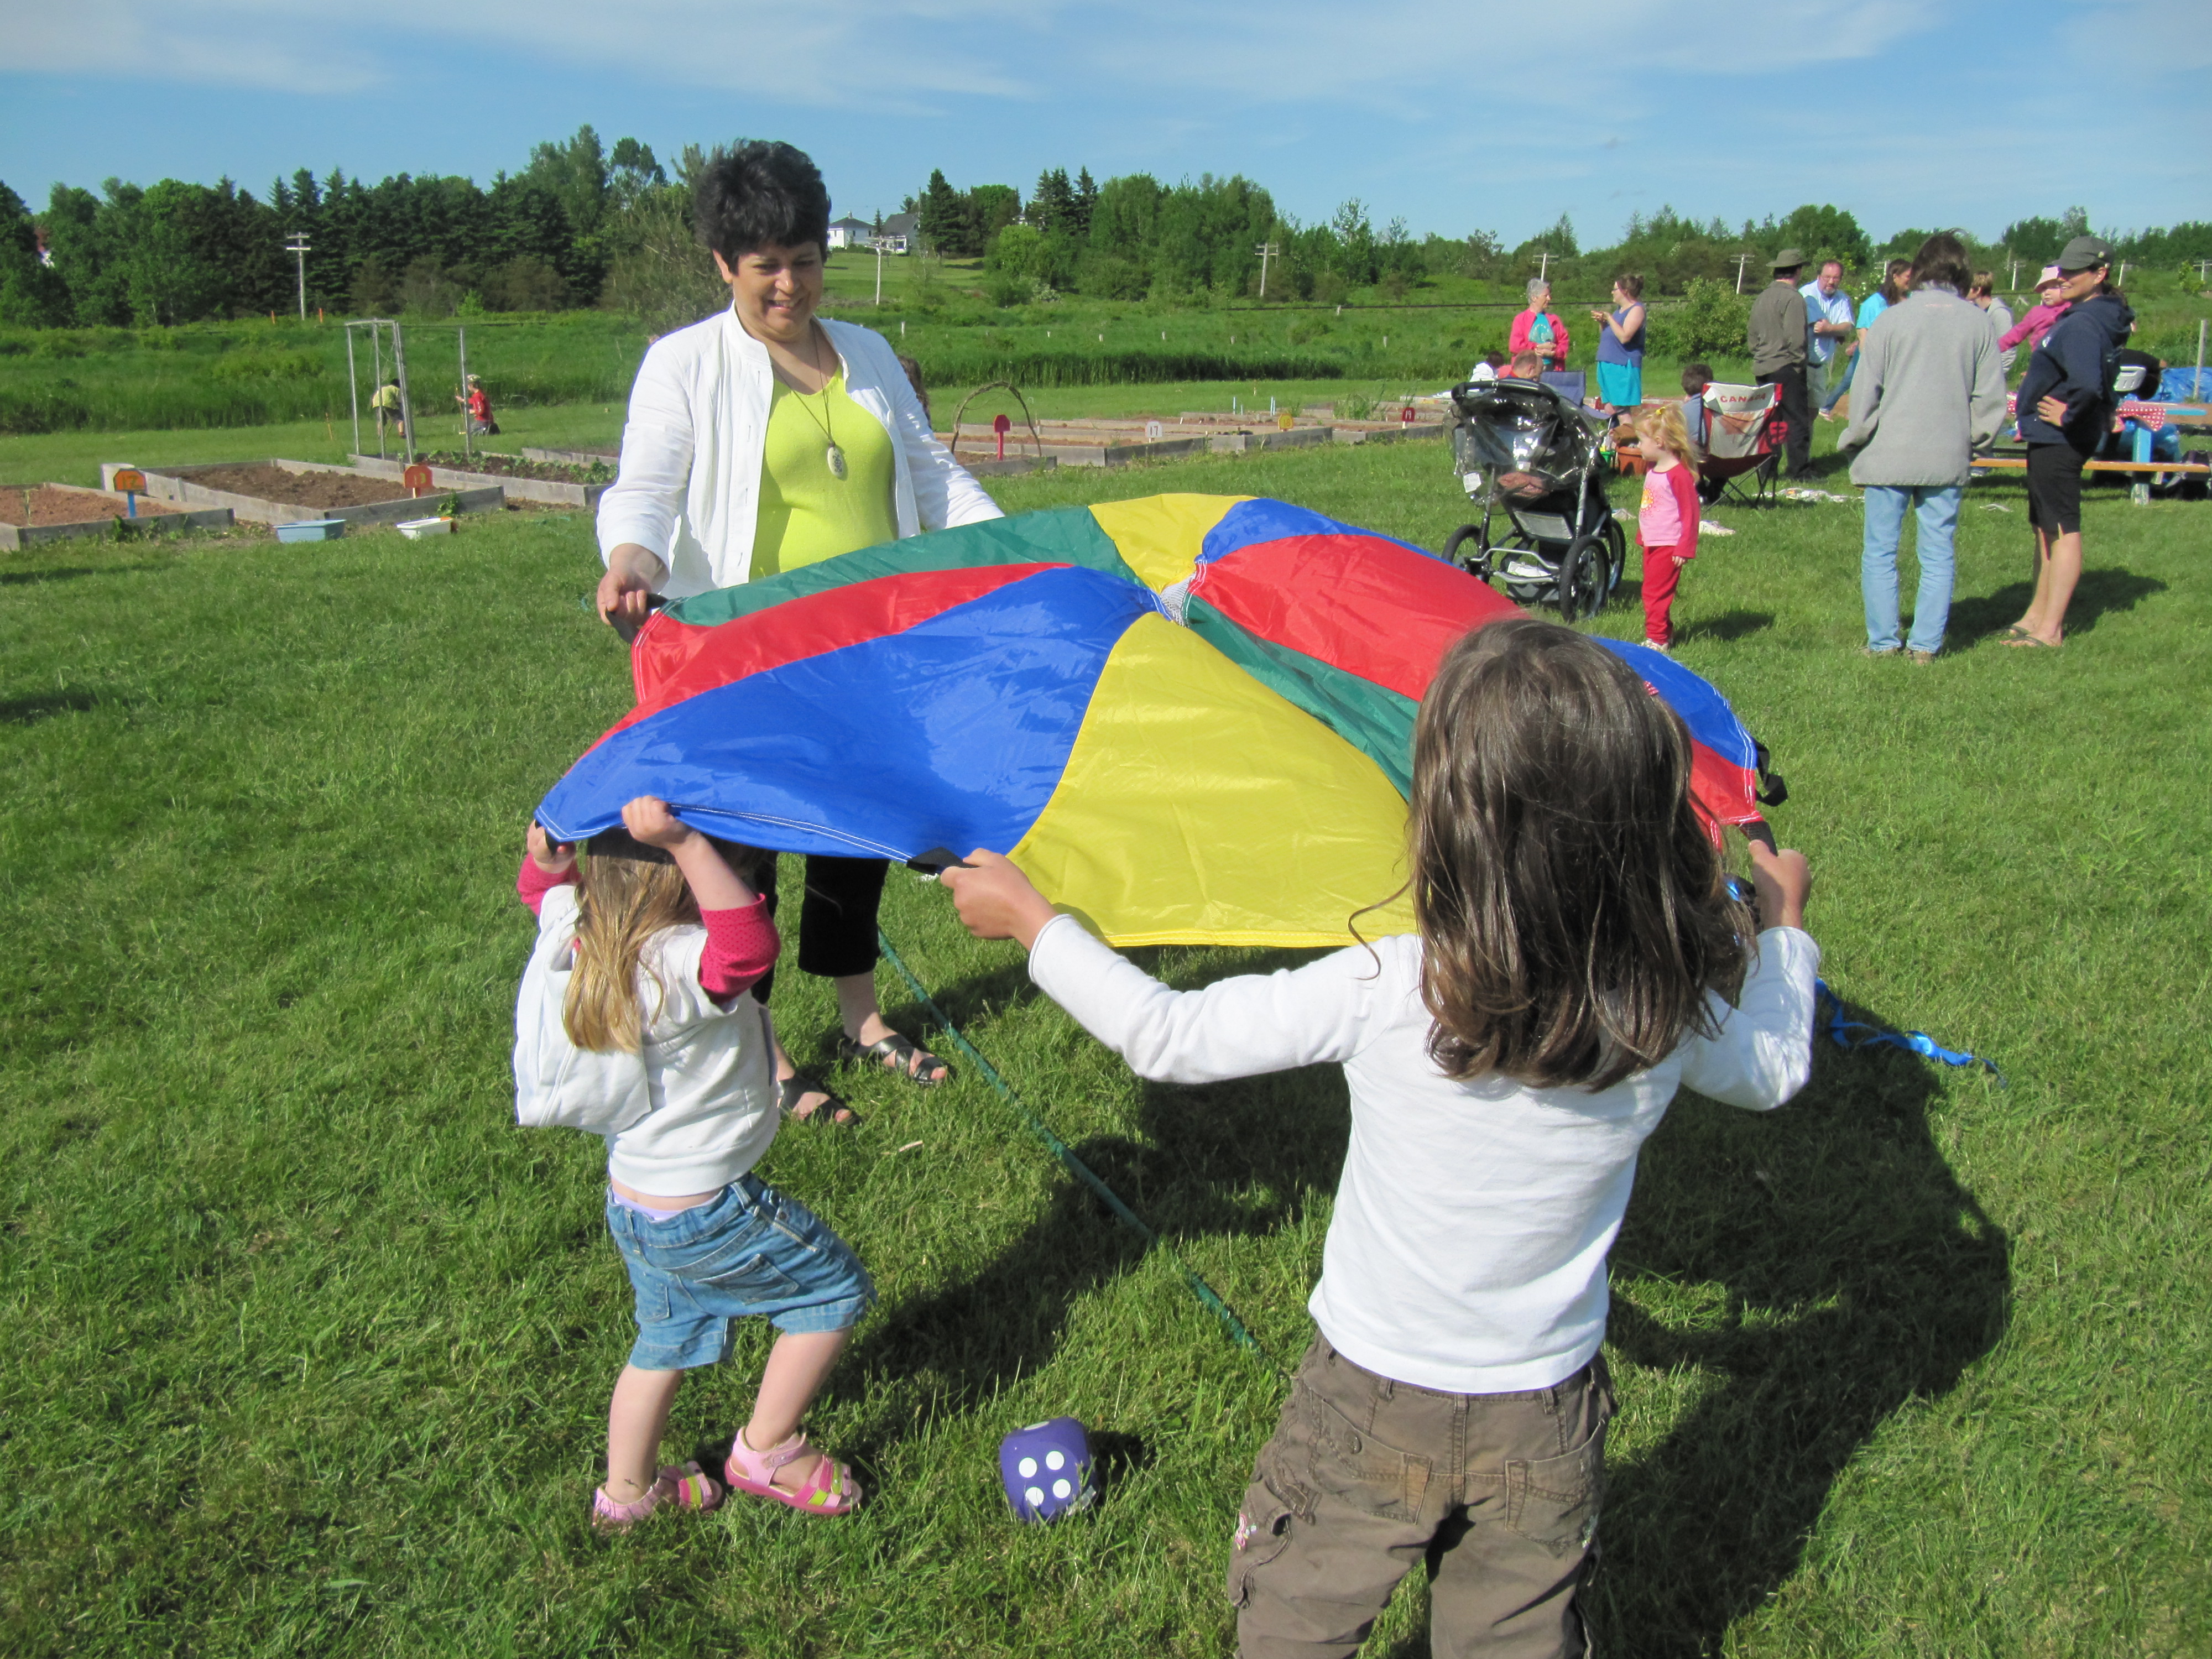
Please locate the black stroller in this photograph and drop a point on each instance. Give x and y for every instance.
(1527, 449)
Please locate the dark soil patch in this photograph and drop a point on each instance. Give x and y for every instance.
(274, 483)
(514, 466)
(51, 504)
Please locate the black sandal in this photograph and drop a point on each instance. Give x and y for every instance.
(899, 1056)
(833, 1111)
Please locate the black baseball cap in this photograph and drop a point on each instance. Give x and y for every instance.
(2085, 253)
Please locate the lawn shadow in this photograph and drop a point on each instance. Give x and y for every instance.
(1836, 1271)
(45, 705)
(69, 573)
(1728, 625)
(1199, 1170)
(2100, 590)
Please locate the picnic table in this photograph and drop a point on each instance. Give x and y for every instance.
(2149, 418)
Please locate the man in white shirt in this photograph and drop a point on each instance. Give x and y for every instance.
(1827, 324)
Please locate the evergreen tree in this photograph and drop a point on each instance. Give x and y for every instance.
(1052, 204)
(945, 220)
(1086, 199)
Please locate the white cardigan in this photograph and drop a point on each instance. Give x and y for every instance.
(1466, 1250)
(689, 486)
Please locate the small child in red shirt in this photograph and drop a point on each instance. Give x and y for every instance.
(1667, 526)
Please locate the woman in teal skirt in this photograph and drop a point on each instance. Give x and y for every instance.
(1621, 347)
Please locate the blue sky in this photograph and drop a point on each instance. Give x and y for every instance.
(1454, 114)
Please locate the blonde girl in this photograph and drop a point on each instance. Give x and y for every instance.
(1577, 960)
(1666, 522)
(634, 1022)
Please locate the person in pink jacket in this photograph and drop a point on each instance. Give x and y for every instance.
(1538, 329)
(2047, 310)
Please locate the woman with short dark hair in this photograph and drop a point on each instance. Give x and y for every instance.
(759, 441)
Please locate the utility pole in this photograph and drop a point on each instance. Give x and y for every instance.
(1543, 264)
(876, 240)
(298, 248)
(1741, 260)
(2013, 286)
(1267, 251)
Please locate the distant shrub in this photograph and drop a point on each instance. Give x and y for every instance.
(1007, 287)
(266, 366)
(1712, 321)
(530, 283)
(1106, 276)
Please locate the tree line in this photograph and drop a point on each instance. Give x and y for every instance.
(585, 224)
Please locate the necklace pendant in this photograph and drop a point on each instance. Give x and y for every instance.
(835, 456)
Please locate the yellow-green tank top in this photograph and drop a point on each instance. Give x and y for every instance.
(807, 512)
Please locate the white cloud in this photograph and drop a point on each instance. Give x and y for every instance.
(1385, 54)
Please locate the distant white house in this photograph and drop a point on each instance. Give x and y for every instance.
(898, 234)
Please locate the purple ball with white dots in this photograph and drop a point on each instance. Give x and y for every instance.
(1046, 1469)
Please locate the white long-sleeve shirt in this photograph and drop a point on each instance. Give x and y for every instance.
(1467, 1250)
(689, 489)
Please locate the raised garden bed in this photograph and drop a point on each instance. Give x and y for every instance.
(284, 492)
(573, 457)
(561, 488)
(53, 512)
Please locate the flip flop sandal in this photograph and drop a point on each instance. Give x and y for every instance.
(790, 1090)
(896, 1055)
(685, 1486)
(2040, 645)
(754, 1472)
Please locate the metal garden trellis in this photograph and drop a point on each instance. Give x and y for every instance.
(375, 325)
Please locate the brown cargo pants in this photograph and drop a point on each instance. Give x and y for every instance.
(1365, 1477)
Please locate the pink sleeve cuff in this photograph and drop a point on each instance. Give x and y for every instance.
(532, 883)
(742, 944)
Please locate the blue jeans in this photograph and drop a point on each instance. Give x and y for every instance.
(751, 1253)
(1937, 508)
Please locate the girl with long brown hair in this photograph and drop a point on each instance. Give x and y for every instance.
(634, 1022)
(1578, 958)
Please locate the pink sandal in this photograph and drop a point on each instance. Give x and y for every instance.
(752, 1471)
(687, 1486)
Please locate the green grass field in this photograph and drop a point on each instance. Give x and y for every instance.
(311, 1345)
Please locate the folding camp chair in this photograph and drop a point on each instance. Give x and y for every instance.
(1740, 432)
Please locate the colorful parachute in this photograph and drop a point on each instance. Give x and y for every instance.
(1189, 718)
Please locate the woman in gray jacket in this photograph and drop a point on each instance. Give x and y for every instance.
(1931, 395)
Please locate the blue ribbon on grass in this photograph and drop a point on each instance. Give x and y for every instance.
(1207, 1295)
(1828, 1016)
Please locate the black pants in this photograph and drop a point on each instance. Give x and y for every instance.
(1797, 449)
(837, 918)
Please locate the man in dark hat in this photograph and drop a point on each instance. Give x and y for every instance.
(1777, 354)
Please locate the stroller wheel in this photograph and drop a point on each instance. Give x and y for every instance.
(1582, 582)
(1476, 563)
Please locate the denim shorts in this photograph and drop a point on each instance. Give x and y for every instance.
(751, 1251)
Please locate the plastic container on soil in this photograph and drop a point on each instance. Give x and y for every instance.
(312, 530)
(416, 528)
